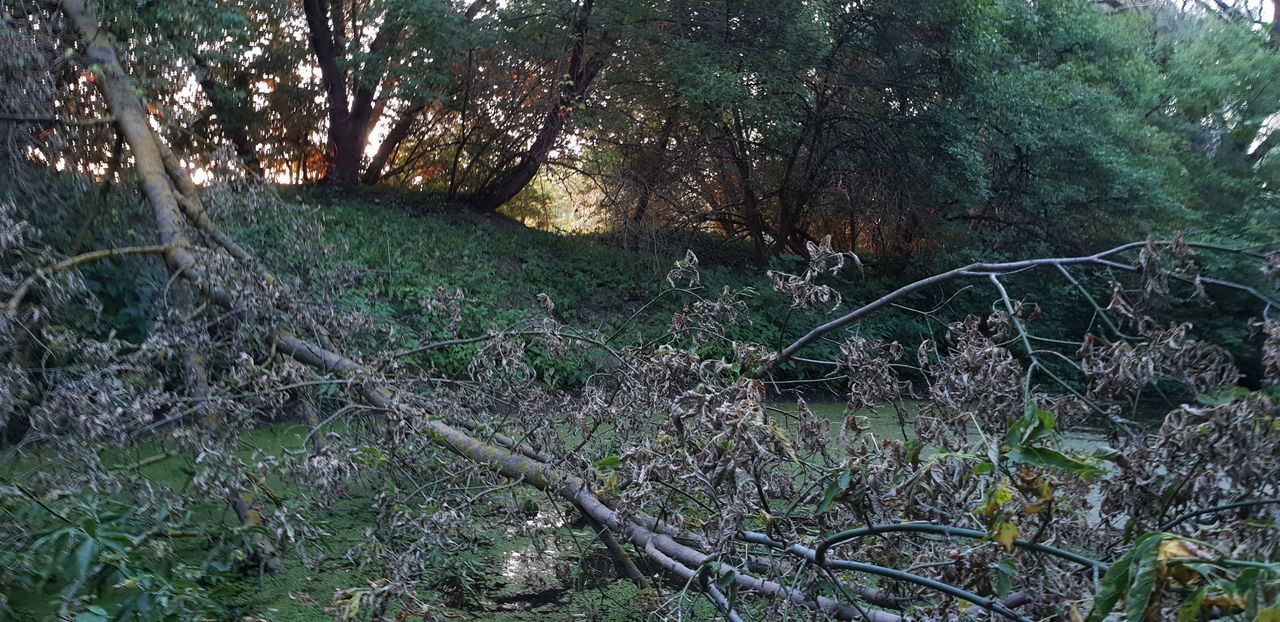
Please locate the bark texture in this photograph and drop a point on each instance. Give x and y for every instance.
(164, 190)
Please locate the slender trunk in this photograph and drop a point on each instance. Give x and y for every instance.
(750, 203)
(389, 146)
(653, 167)
(464, 132)
(853, 233)
(788, 220)
(508, 184)
(755, 222)
(582, 70)
(231, 115)
(131, 119)
(741, 157)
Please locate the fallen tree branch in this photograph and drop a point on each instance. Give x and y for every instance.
(189, 201)
(71, 262)
(147, 150)
(987, 270)
(663, 549)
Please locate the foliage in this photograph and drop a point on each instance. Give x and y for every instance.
(905, 132)
(493, 359)
(95, 557)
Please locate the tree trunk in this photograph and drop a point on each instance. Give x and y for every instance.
(750, 204)
(652, 168)
(350, 118)
(582, 70)
(390, 144)
(131, 119)
(165, 198)
(343, 168)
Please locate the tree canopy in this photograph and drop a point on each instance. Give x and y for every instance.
(896, 128)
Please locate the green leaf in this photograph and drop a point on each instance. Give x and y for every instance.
(1034, 425)
(606, 463)
(1006, 570)
(913, 448)
(833, 490)
(83, 556)
(1270, 614)
(1005, 533)
(1142, 578)
(94, 614)
(1224, 397)
(1113, 584)
(1110, 454)
(1190, 609)
(726, 579)
(1246, 584)
(1052, 458)
(996, 497)
(1046, 420)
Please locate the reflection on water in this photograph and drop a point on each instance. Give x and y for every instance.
(559, 558)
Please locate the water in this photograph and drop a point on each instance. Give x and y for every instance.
(885, 423)
(555, 558)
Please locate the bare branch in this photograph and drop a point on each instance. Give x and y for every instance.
(71, 262)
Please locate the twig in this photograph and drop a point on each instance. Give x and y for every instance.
(999, 268)
(28, 494)
(71, 262)
(1217, 508)
(810, 555)
(820, 551)
(35, 120)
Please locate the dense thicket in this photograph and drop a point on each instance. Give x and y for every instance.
(897, 128)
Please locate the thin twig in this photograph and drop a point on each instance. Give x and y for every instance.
(71, 262)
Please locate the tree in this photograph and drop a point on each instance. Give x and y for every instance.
(350, 93)
(586, 60)
(672, 449)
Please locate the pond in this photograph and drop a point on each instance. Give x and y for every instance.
(887, 422)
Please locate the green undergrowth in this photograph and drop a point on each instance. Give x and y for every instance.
(522, 565)
(408, 253)
(407, 250)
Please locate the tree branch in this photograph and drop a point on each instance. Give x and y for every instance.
(71, 262)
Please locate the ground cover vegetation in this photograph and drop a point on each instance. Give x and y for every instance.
(410, 309)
